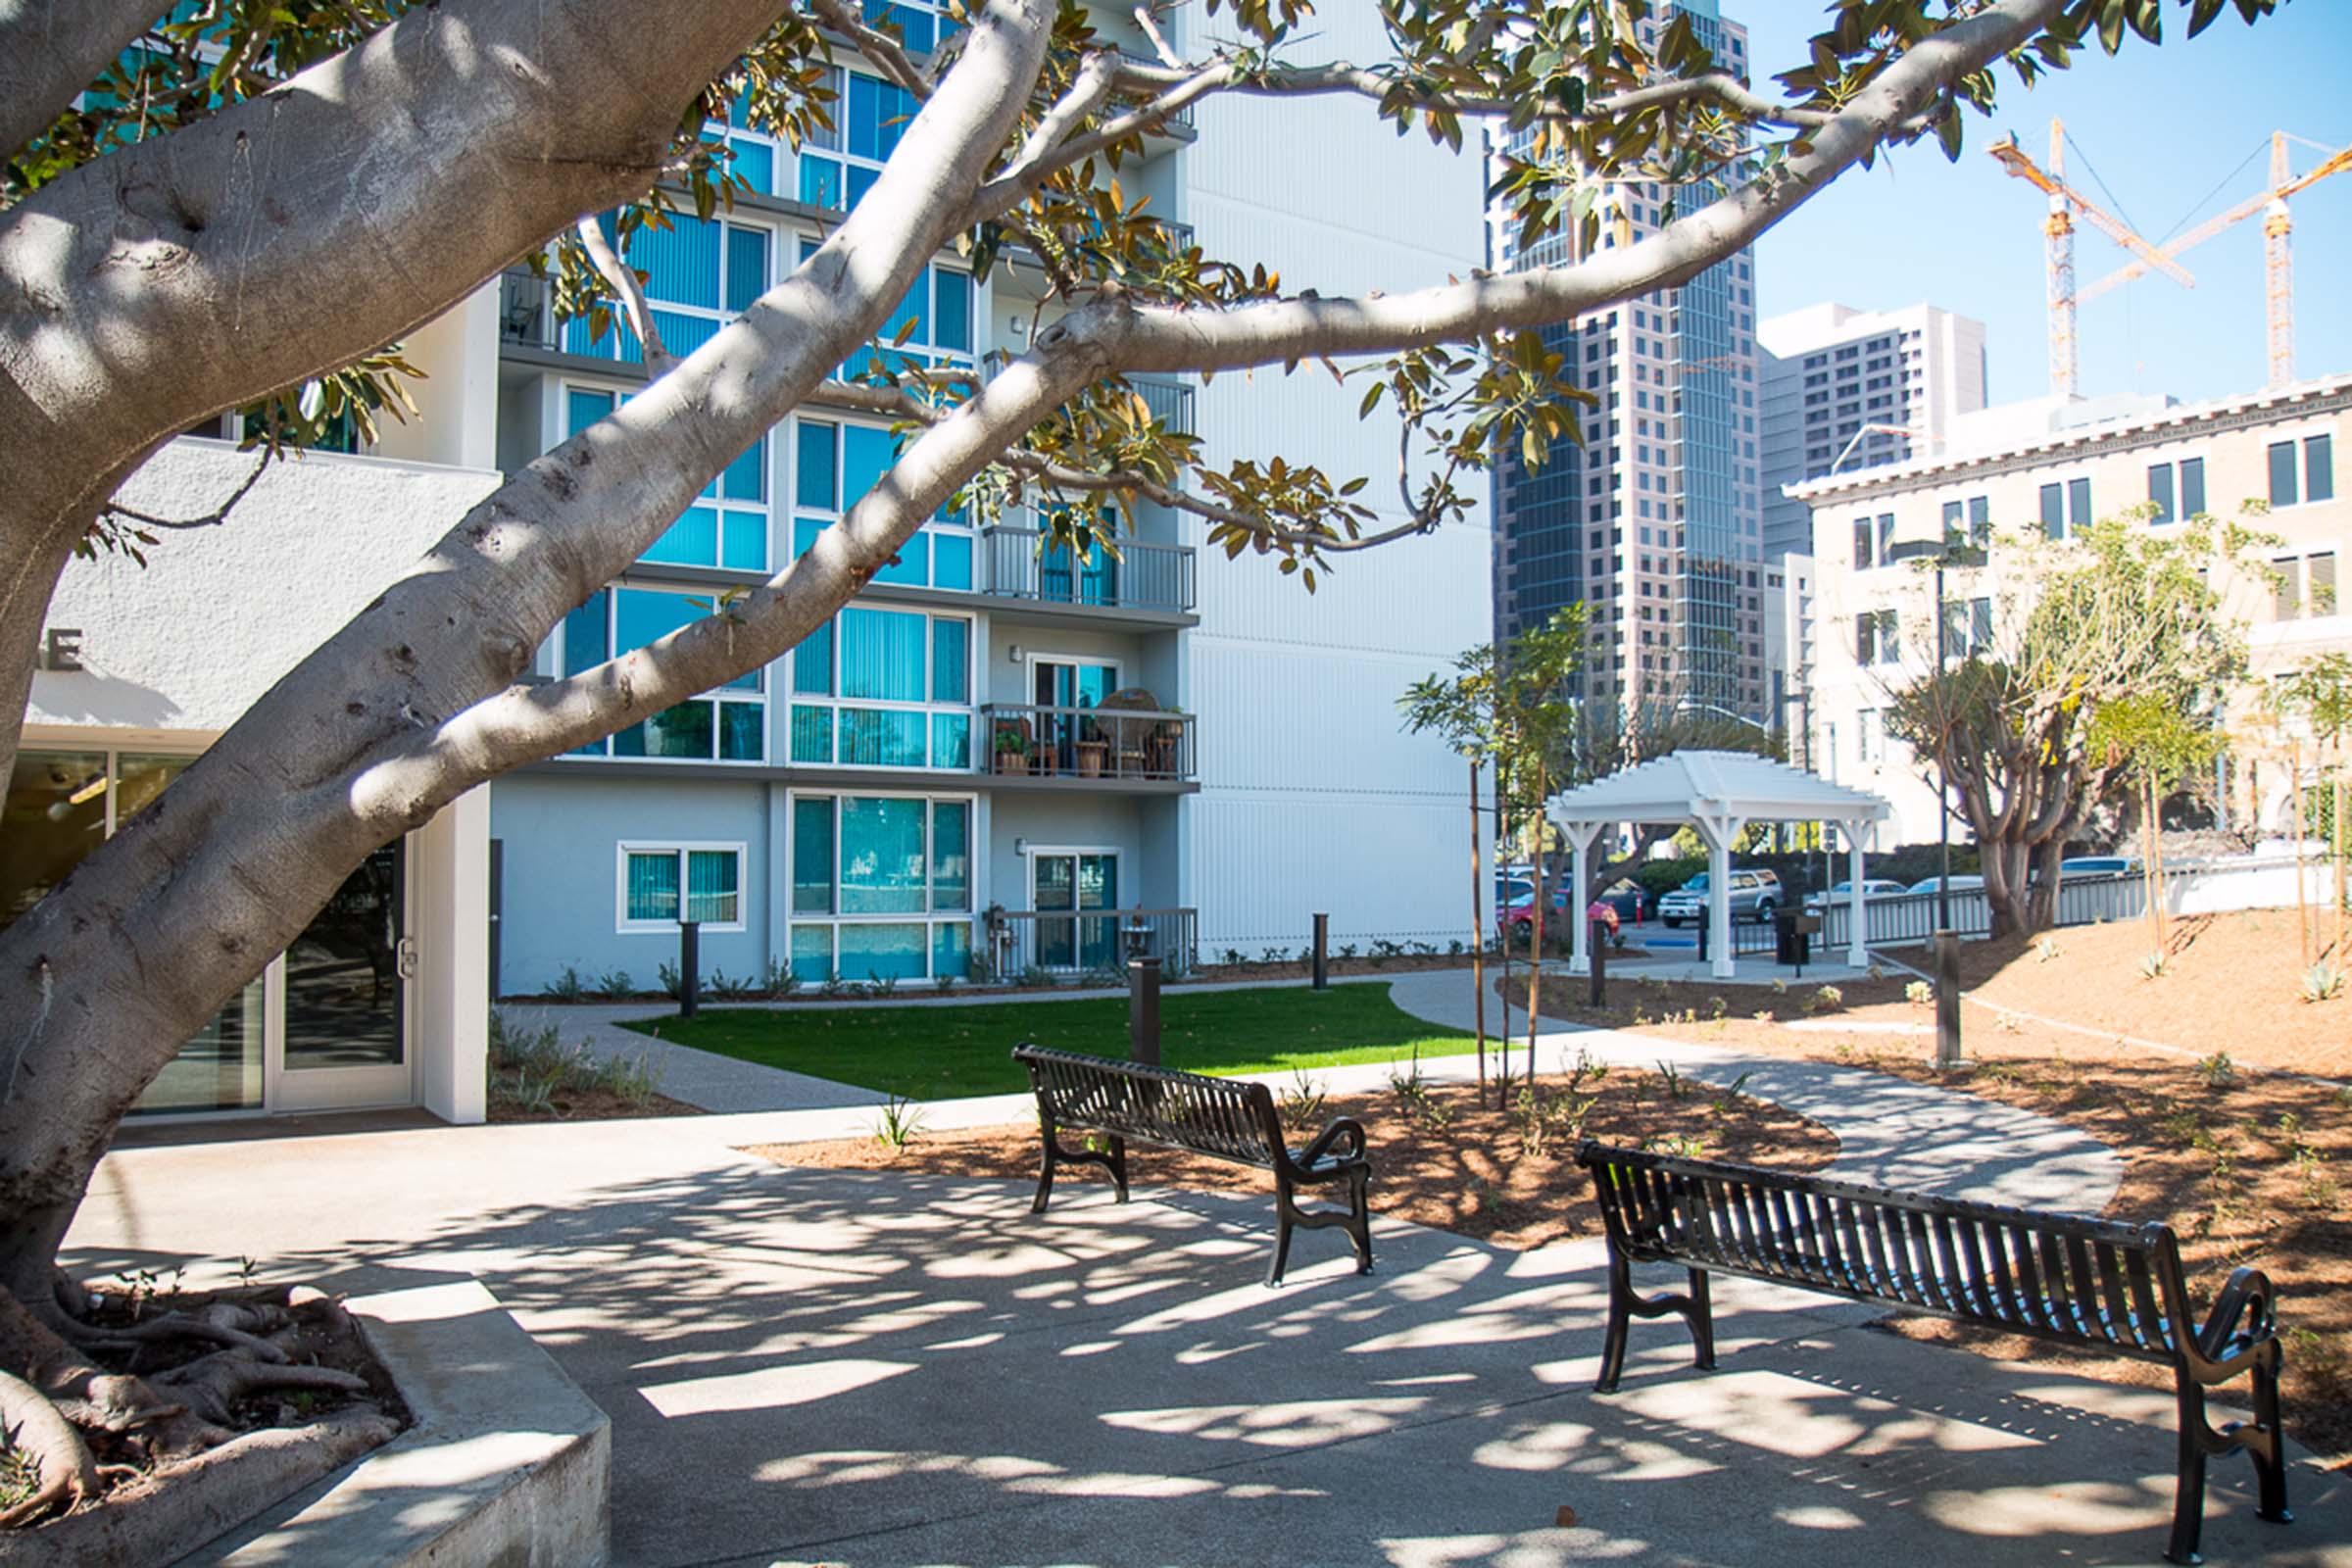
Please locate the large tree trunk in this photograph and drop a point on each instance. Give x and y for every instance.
(101, 981)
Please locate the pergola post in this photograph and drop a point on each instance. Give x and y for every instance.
(1581, 836)
(1857, 944)
(1720, 832)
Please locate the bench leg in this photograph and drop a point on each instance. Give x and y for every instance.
(1359, 1183)
(2189, 1487)
(1282, 1239)
(2267, 1446)
(1044, 1175)
(1118, 1167)
(1621, 1317)
(1702, 1318)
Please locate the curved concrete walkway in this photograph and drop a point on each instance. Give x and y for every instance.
(1891, 1132)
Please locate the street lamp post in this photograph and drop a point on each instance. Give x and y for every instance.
(1950, 552)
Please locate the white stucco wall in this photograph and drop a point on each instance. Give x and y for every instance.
(217, 614)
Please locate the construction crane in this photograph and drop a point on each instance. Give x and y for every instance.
(2278, 274)
(2065, 201)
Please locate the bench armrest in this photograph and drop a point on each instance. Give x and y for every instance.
(1339, 1130)
(2250, 1297)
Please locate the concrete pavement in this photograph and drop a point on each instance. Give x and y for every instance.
(869, 1368)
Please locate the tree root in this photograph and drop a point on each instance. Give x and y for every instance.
(93, 1398)
(32, 1423)
(223, 1323)
(211, 1385)
(195, 1501)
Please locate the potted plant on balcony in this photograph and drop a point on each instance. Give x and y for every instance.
(1012, 749)
(1091, 749)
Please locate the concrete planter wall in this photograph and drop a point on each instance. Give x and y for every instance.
(508, 1462)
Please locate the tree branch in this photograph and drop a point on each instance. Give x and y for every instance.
(51, 50)
(623, 281)
(881, 51)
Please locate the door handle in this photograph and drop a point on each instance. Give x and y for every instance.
(404, 957)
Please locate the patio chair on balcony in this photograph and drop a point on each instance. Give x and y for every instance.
(1132, 738)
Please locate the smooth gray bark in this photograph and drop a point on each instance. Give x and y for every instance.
(50, 50)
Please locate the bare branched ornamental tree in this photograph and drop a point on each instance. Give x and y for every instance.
(204, 215)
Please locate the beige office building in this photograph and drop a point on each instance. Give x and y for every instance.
(2050, 467)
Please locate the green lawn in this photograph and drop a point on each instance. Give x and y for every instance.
(942, 1052)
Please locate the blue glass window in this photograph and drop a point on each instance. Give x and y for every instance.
(813, 855)
(818, 484)
(882, 655)
(747, 266)
(882, 855)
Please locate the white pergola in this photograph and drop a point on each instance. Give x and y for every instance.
(1719, 792)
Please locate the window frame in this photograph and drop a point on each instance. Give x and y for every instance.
(682, 849)
(956, 527)
(559, 641)
(930, 917)
(760, 513)
(834, 701)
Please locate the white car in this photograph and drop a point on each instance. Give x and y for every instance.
(1874, 887)
(1960, 884)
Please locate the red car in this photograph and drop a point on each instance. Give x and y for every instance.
(1619, 902)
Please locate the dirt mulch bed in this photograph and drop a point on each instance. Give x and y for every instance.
(2249, 1167)
(1439, 1158)
(587, 1104)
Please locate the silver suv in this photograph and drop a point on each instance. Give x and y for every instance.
(1755, 896)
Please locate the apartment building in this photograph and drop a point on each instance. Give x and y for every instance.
(997, 757)
(1654, 520)
(2041, 467)
(1845, 389)
(1789, 630)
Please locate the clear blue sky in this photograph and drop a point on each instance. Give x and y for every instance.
(2164, 126)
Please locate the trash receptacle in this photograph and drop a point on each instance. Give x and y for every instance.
(1794, 931)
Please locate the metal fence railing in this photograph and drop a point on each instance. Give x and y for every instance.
(2195, 887)
(1147, 743)
(1066, 943)
(1143, 576)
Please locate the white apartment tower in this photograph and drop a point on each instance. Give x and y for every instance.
(1654, 521)
(1846, 389)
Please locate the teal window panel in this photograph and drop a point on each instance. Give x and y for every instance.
(820, 182)
(952, 561)
(747, 264)
(951, 949)
(951, 314)
(746, 478)
(812, 734)
(913, 311)
(712, 893)
(680, 261)
(881, 737)
(882, 655)
(813, 664)
(652, 886)
(912, 566)
(641, 616)
(866, 116)
(756, 162)
(813, 855)
(882, 855)
(680, 731)
(888, 950)
(2319, 468)
(582, 408)
(804, 534)
(951, 854)
(866, 455)
(812, 954)
(683, 334)
(951, 659)
(2283, 474)
(584, 638)
(860, 180)
(691, 541)
(741, 732)
(951, 740)
(818, 482)
(629, 741)
(743, 541)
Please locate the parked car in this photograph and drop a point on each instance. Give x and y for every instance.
(1626, 899)
(1872, 887)
(2098, 865)
(1622, 900)
(1755, 896)
(1960, 884)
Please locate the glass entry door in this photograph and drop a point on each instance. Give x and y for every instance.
(344, 1036)
(1066, 884)
(1067, 684)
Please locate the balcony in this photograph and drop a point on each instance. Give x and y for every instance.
(1088, 747)
(1095, 941)
(527, 309)
(1181, 122)
(1148, 577)
(1170, 402)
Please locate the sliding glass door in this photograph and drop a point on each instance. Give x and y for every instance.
(1065, 885)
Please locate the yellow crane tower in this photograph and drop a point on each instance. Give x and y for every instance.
(2059, 230)
(2278, 279)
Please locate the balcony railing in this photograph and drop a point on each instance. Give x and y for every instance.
(1147, 745)
(1144, 576)
(1091, 942)
(1182, 116)
(527, 309)
(1170, 402)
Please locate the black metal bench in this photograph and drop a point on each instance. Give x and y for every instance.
(1223, 1118)
(2091, 1283)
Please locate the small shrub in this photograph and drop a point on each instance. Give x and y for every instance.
(882, 985)
(2321, 981)
(1347, 951)
(948, 979)
(721, 986)
(1453, 949)
(616, 985)
(1717, 1007)
(833, 984)
(1829, 998)
(1545, 1122)
(1407, 1084)
(1874, 973)
(1276, 955)
(567, 986)
(899, 1125)
(1919, 993)
(777, 980)
(1586, 1065)
(2218, 1070)
(1762, 1016)
(1677, 1146)
(1037, 975)
(668, 975)
(1672, 1077)
(1233, 956)
(1732, 1092)
(1301, 1106)
(531, 1094)
(2044, 951)
(1779, 987)
(2151, 966)
(1104, 976)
